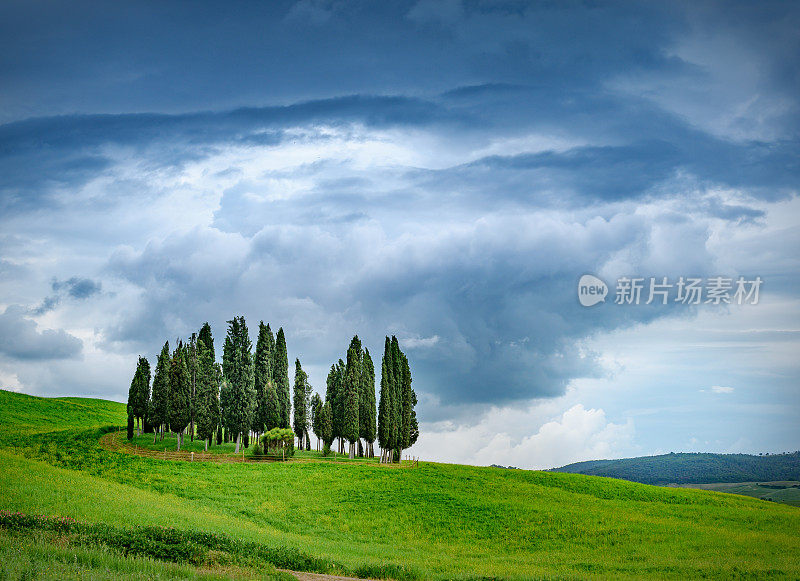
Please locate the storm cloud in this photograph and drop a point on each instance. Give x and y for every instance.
(442, 171)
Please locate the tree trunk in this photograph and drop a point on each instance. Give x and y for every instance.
(238, 439)
(352, 450)
(206, 446)
(155, 435)
(179, 441)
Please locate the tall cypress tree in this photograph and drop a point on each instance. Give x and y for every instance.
(192, 366)
(326, 424)
(272, 418)
(331, 395)
(237, 366)
(366, 403)
(263, 375)
(159, 404)
(316, 417)
(396, 413)
(208, 380)
(336, 396)
(205, 336)
(301, 402)
(179, 394)
(280, 373)
(139, 393)
(352, 386)
(384, 403)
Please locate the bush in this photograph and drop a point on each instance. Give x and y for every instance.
(169, 544)
(279, 442)
(326, 449)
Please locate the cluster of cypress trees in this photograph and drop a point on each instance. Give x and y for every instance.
(348, 413)
(249, 394)
(191, 393)
(397, 421)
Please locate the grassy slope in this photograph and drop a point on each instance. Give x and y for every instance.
(444, 520)
(787, 492)
(28, 414)
(46, 556)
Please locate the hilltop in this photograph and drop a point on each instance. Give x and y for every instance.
(693, 468)
(432, 521)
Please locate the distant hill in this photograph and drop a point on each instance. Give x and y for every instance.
(689, 468)
(30, 414)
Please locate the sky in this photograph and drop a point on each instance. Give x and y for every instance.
(445, 172)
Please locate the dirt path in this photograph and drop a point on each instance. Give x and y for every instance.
(117, 442)
(303, 576)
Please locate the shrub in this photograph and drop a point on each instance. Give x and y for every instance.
(279, 442)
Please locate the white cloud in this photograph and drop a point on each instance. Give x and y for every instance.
(721, 389)
(507, 437)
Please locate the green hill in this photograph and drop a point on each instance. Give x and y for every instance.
(691, 468)
(436, 521)
(21, 413)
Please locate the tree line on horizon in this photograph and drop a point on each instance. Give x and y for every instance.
(248, 395)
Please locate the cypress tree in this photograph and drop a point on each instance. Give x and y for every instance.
(272, 418)
(352, 385)
(224, 406)
(139, 392)
(383, 403)
(389, 416)
(366, 403)
(237, 367)
(179, 394)
(205, 336)
(326, 424)
(396, 411)
(316, 417)
(301, 402)
(335, 394)
(208, 380)
(129, 433)
(280, 373)
(330, 396)
(263, 374)
(159, 403)
(192, 365)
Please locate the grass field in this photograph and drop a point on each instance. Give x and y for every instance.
(435, 521)
(786, 492)
(46, 556)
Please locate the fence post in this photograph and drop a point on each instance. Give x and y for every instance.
(192, 460)
(165, 453)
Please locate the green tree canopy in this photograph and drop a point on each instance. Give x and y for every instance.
(139, 392)
(158, 414)
(238, 369)
(208, 380)
(179, 393)
(280, 372)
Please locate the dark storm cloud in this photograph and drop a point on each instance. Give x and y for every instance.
(177, 57)
(471, 256)
(19, 339)
(77, 288)
(74, 288)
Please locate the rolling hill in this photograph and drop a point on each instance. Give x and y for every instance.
(433, 521)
